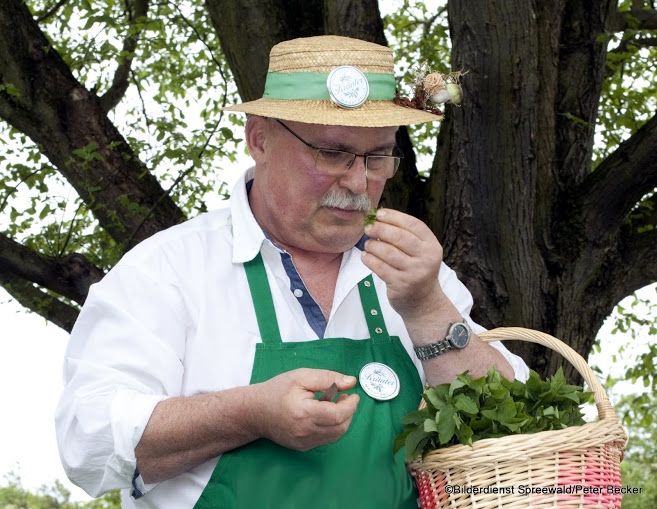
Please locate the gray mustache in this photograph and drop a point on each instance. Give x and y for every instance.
(347, 201)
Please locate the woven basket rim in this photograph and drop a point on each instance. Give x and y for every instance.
(605, 410)
(525, 446)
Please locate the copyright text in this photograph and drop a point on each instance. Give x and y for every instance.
(525, 489)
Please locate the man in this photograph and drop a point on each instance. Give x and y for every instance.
(192, 372)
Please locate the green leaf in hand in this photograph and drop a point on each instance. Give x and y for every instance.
(370, 218)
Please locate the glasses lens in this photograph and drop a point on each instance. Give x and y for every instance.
(333, 162)
(382, 167)
(337, 162)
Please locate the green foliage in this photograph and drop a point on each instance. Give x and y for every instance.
(635, 318)
(632, 387)
(55, 496)
(170, 115)
(418, 33)
(629, 95)
(470, 409)
(628, 100)
(639, 467)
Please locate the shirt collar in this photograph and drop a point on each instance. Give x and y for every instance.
(247, 234)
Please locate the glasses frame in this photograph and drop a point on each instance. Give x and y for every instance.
(354, 155)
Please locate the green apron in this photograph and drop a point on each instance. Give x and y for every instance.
(359, 469)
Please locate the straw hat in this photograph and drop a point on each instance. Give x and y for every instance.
(333, 80)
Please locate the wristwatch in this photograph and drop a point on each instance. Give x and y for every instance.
(458, 336)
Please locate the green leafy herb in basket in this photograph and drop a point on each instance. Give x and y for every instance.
(470, 409)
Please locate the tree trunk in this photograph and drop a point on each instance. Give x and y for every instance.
(518, 205)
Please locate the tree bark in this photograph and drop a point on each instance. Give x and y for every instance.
(533, 232)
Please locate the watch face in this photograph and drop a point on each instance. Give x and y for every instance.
(459, 335)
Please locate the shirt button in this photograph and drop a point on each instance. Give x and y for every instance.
(298, 293)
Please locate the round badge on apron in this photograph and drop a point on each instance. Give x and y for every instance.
(379, 381)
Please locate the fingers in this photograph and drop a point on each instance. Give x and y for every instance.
(295, 419)
(335, 414)
(331, 414)
(403, 243)
(399, 239)
(398, 228)
(404, 253)
(319, 380)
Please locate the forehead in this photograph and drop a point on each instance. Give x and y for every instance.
(332, 136)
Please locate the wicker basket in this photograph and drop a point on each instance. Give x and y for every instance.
(576, 467)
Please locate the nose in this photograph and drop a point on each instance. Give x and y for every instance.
(355, 178)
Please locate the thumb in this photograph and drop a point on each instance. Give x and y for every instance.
(321, 379)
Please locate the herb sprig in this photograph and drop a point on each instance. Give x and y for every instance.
(470, 409)
(370, 218)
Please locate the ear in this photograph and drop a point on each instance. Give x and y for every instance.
(256, 136)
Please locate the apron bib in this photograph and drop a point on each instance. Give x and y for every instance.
(359, 469)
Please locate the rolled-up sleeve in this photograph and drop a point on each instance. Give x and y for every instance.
(461, 297)
(124, 357)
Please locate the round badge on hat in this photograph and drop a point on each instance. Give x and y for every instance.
(379, 381)
(347, 86)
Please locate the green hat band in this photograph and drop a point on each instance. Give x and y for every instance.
(312, 86)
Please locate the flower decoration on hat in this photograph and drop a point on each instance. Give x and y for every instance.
(433, 89)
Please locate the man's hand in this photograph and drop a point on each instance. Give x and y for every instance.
(405, 253)
(293, 418)
(183, 432)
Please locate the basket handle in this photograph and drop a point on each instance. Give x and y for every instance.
(605, 410)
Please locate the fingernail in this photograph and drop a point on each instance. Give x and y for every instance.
(380, 213)
(348, 379)
(368, 228)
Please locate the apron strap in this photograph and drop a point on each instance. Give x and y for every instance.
(266, 313)
(262, 300)
(372, 309)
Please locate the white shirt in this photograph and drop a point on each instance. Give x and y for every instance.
(175, 318)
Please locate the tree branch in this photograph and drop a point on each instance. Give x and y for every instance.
(115, 93)
(623, 50)
(620, 181)
(52, 309)
(50, 12)
(642, 19)
(184, 173)
(70, 277)
(646, 42)
(67, 121)
(630, 270)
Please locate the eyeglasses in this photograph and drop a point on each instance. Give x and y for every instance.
(336, 162)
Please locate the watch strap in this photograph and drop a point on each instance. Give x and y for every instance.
(432, 350)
